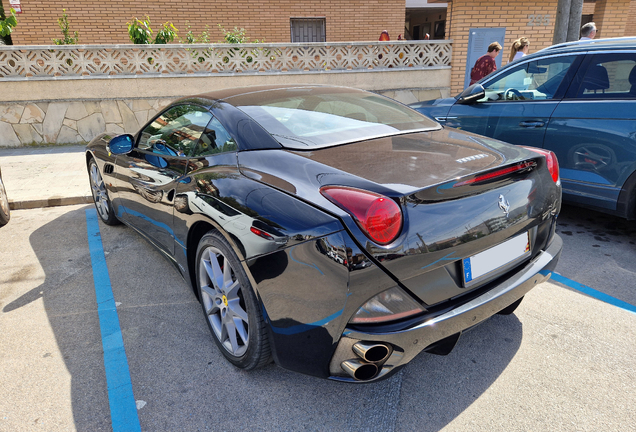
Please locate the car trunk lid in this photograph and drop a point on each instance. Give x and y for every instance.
(445, 219)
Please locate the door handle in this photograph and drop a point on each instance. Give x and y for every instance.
(532, 124)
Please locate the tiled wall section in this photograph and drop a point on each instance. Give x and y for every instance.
(79, 122)
(72, 122)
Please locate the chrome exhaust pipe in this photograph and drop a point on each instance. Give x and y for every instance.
(359, 370)
(371, 352)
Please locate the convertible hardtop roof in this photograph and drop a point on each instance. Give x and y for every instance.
(259, 91)
(593, 45)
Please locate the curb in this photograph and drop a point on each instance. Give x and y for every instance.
(49, 202)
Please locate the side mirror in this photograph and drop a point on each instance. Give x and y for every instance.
(471, 94)
(121, 144)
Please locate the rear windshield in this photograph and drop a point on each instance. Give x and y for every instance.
(321, 117)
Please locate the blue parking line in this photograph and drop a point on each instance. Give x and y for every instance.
(123, 410)
(593, 293)
(291, 255)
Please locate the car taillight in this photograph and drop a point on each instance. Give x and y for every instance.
(261, 233)
(498, 173)
(551, 159)
(378, 216)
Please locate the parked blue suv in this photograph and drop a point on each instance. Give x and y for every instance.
(576, 99)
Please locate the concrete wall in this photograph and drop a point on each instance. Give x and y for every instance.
(74, 111)
(104, 22)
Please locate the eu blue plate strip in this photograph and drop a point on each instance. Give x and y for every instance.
(593, 293)
(123, 410)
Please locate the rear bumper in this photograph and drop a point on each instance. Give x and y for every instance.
(408, 343)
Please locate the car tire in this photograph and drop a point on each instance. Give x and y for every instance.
(229, 304)
(5, 213)
(510, 309)
(100, 195)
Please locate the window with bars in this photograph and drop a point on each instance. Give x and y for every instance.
(308, 29)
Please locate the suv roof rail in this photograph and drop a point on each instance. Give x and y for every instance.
(605, 41)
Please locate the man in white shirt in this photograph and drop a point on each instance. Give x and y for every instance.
(588, 31)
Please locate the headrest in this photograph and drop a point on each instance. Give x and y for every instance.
(632, 76)
(596, 78)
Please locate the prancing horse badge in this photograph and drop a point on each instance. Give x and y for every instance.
(504, 205)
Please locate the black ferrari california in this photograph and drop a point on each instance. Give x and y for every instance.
(333, 230)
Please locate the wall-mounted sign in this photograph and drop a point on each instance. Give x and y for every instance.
(15, 4)
(538, 20)
(478, 41)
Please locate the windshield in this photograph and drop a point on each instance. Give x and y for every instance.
(324, 116)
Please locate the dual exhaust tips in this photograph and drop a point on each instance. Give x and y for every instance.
(370, 358)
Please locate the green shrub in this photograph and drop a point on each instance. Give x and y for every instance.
(64, 27)
(8, 24)
(190, 38)
(236, 35)
(167, 34)
(139, 31)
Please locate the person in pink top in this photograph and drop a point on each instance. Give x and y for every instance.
(485, 64)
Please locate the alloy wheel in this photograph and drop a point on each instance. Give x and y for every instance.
(223, 301)
(4, 200)
(99, 192)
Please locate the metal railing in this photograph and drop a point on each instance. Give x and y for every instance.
(104, 61)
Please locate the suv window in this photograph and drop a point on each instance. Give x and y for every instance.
(609, 76)
(535, 80)
(176, 131)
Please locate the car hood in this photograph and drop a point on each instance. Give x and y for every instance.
(434, 103)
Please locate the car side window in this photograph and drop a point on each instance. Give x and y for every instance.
(176, 131)
(535, 80)
(609, 76)
(214, 139)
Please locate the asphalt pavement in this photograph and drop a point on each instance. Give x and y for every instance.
(565, 361)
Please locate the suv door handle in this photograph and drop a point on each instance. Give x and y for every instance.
(532, 124)
(443, 119)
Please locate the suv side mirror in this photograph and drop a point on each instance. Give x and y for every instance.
(121, 144)
(471, 94)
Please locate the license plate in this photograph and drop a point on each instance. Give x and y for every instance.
(500, 257)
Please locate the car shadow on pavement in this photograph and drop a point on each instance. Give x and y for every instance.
(609, 242)
(186, 384)
(68, 296)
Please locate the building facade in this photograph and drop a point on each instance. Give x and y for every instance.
(534, 20)
(273, 21)
(104, 22)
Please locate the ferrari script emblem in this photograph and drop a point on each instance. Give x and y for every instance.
(504, 205)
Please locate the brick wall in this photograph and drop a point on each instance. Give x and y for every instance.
(588, 7)
(630, 26)
(104, 22)
(610, 17)
(513, 16)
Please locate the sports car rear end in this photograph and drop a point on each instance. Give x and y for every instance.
(331, 229)
(476, 232)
